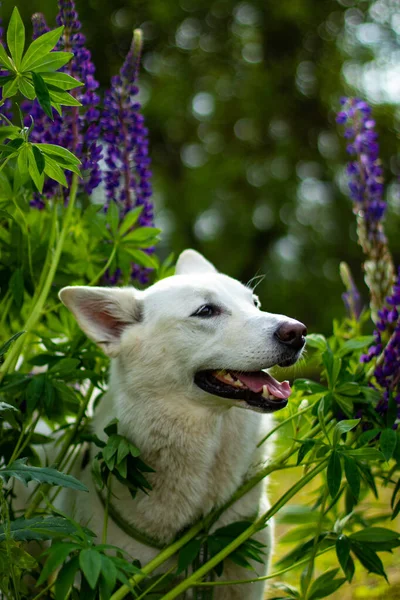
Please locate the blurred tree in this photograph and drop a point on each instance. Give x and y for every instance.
(240, 99)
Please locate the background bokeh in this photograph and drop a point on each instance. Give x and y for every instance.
(240, 98)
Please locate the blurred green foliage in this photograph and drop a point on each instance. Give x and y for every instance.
(240, 98)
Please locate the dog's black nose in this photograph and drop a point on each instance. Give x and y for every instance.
(292, 333)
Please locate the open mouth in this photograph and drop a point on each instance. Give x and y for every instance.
(258, 389)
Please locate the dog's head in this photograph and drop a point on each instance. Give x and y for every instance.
(198, 335)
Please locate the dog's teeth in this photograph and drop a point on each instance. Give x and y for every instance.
(265, 392)
(228, 377)
(237, 383)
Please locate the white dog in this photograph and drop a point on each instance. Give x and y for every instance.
(187, 354)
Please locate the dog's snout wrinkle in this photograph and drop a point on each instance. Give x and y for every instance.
(292, 333)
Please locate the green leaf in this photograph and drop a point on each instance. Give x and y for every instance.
(325, 585)
(345, 403)
(63, 98)
(113, 217)
(316, 340)
(304, 449)
(16, 37)
(356, 344)
(16, 286)
(367, 436)
(53, 170)
(108, 572)
(65, 578)
(38, 528)
(8, 131)
(387, 443)
(90, 564)
(63, 81)
(39, 158)
(6, 346)
(40, 48)
(365, 454)
(142, 259)
(64, 366)
(37, 178)
(57, 555)
(35, 391)
(368, 558)
(334, 473)
(352, 475)
(309, 386)
(187, 555)
(4, 406)
(5, 59)
(26, 473)
(349, 388)
(141, 234)
(10, 88)
(130, 219)
(59, 151)
(343, 427)
(343, 555)
(51, 62)
(375, 534)
(42, 94)
(26, 88)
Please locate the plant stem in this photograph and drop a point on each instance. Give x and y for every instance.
(256, 526)
(265, 577)
(282, 423)
(105, 521)
(34, 317)
(67, 441)
(158, 560)
(310, 569)
(104, 269)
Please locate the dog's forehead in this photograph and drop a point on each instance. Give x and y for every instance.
(180, 290)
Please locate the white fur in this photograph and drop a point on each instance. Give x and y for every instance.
(201, 446)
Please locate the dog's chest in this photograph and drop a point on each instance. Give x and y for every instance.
(199, 463)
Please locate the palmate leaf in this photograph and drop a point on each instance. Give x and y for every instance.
(26, 473)
(40, 47)
(38, 528)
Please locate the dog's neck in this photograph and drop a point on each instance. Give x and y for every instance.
(186, 444)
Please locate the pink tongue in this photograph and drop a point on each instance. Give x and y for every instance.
(256, 381)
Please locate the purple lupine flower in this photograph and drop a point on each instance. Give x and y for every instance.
(366, 190)
(387, 370)
(78, 129)
(127, 177)
(351, 297)
(39, 25)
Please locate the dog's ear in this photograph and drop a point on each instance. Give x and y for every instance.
(190, 262)
(103, 313)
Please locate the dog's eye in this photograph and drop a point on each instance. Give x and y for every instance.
(256, 301)
(207, 310)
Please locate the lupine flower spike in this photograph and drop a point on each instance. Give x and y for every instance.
(78, 129)
(366, 190)
(351, 297)
(127, 178)
(387, 369)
